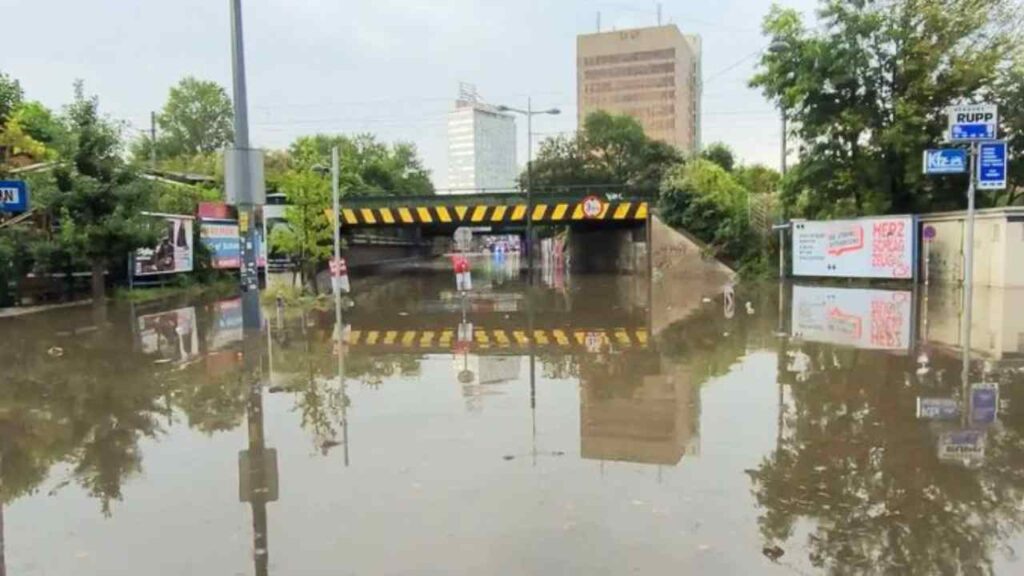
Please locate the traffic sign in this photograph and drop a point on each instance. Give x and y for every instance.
(592, 207)
(13, 196)
(973, 122)
(992, 166)
(945, 161)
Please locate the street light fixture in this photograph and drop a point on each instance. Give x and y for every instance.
(529, 112)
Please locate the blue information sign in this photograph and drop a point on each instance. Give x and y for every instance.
(992, 165)
(945, 161)
(13, 196)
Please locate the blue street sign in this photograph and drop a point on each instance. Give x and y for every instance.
(945, 161)
(13, 196)
(992, 165)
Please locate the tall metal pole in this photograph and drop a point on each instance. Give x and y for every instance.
(782, 159)
(529, 188)
(249, 275)
(336, 198)
(152, 140)
(968, 275)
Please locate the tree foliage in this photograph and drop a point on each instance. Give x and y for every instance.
(368, 167)
(197, 119)
(866, 93)
(609, 150)
(703, 199)
(720, 154)
(11, 95)
(307, 237)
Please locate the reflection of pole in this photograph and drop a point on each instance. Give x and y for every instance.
(3, 552)
(533, 376)
(258, 465)
(341, 366)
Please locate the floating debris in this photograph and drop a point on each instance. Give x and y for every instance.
(55, 351)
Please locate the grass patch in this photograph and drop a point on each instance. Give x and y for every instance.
(184, 286)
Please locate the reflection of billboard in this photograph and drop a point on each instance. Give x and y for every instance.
(938, 408)
(984, 403)
(221, 238)
(865, 248)
(171, 334)
(173, 250)
(869, 319)
(227, 327)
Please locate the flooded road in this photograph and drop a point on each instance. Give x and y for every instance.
(561, 429)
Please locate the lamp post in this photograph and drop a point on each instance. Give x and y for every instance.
(529, 113)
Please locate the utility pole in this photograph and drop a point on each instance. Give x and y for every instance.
(152, 140)
(249, 275)
(529, 188)
(783, 153)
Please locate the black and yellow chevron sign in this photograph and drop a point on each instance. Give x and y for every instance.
(486, 214)
(498, 338)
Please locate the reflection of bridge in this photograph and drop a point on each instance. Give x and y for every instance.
(498, 340)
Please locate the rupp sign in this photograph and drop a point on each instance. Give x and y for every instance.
(973, 122)
(864, 248)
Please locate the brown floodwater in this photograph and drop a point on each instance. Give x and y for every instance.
(587, 425)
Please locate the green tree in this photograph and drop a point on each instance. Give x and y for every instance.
(368, 167)
(758, 179)
(96, 198)
(10, 97)
(703, 199)
(610, 150)
(720, 154)
(197, 119)
(1009, 94)
(40, 123)
(866, 91)
(306, 238)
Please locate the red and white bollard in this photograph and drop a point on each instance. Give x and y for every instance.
(339, 276)
(463, 276)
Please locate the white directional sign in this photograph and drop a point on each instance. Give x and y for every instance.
(973, 122)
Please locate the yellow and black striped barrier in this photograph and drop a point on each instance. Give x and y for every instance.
(484, 215)
(595, 340)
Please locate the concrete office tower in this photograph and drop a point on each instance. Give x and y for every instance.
(652, 74)
(481, 146)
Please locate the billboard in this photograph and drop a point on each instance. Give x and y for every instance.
(221, 238)
(172, 252)
(861, 318)
(863, 248)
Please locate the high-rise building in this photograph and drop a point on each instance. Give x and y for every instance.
(481, 147)
(652, 74)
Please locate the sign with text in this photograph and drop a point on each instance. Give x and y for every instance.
(992, 166)
(861, 318)
(945, 161)
(222, 240)
(13, 196)
(173, 252)
(938, 408)
(865, 248)
(170, 334)
(973, 122)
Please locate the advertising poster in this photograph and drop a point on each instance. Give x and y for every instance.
(962, 446)
(864, 248)
(227, 328)
(171, 334)
(861, 318)
(172, 252)
(221, 238)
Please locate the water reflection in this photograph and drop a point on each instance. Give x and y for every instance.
(884, 458)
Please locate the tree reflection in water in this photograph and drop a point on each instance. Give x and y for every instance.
(853, 459)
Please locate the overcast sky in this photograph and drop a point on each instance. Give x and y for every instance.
(390, 67)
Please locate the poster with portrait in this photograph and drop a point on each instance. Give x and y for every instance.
(173, 251)
(863, 248)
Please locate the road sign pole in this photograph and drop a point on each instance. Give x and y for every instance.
(968, 295)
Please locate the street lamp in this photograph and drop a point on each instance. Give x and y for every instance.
(529, 113)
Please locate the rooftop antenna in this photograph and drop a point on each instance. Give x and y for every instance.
(659, 13)
(467, 93)
(598, 20)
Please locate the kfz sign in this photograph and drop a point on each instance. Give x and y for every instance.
(945, 161)
(13, 196)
